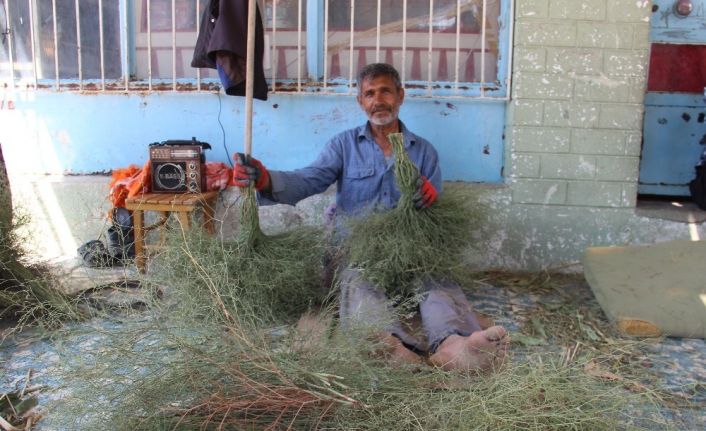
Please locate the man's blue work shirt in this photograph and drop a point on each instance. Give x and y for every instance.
(364, 177)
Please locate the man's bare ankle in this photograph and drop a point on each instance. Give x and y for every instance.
(477, 352)
(397, 352)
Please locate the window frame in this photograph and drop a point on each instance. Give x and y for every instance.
(315, 81)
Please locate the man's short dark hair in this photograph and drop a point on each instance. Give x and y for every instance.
(374, 70)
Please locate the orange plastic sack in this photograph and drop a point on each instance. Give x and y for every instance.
(129, 182)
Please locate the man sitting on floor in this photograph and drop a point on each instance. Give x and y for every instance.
(360, 161)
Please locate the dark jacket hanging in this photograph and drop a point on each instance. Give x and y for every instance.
(222, 45)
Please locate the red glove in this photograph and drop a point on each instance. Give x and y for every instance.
(426, 193)
(249, 170)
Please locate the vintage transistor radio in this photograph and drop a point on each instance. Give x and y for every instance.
(178, 166)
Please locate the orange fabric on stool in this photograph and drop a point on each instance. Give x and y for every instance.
(129, 182)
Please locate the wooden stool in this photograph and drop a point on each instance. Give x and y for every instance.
(181, 204)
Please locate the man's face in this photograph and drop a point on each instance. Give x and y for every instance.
(380, 99)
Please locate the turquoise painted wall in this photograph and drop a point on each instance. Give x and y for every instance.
(47, 132)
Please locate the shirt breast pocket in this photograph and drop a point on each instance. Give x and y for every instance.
(359, 184)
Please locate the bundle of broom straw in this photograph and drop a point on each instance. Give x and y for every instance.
(28, 294)
(396, 247)
(277, 276)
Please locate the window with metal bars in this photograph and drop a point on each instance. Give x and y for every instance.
(441, 47)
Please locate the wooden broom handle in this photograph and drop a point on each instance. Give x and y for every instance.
(249, 76)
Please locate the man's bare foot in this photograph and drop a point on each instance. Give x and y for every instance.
(396, 352)
(482, 350)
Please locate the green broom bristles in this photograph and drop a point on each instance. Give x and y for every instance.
(28, 293)
(209, 381)
(396, 247)
(185, 372)
(276, 277)
(250, 232)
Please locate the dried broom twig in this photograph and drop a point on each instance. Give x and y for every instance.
(396, 247)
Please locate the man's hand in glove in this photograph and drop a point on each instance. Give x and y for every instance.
(426, 193)
(250, 170)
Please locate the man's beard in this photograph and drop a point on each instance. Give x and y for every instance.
(382, 120)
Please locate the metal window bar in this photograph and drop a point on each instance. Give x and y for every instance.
(78, 45)
(431, 46)
(299, 46)
(31, 40)
(350, 54)
(198, 29)
(124, 45)
(10, 35)
(149, 45)
(377, 36)
(101, 40)
(457, 64)
(482, 47)
(56, 45)
(274, 57)
(174, 49)
(326, 17)
(404, 42)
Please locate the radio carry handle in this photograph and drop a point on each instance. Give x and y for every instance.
(178, 142)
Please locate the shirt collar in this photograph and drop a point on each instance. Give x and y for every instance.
(365, 133)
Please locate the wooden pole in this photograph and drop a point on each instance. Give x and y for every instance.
(249, 76)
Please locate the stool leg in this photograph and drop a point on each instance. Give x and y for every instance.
(163, 216)
(140, 259)
(208, 214)
(184, 219)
